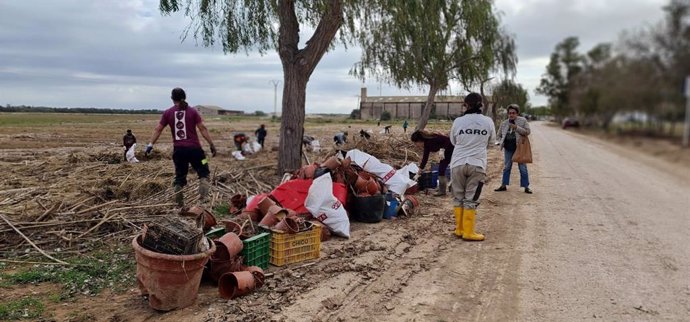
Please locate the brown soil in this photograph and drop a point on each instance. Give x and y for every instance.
(404, 269)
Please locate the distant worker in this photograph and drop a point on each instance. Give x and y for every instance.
(363, 134)
(405, 124)
(240, 139)
(183, 122)
(127, 141)
(387, 129)
(261, 135)
(340, 138)
(434, 142)
(471, 134)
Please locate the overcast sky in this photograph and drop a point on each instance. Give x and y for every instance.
(125, 54)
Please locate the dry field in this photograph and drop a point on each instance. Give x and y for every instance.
(65, 188)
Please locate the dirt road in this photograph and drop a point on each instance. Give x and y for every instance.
(604, 236)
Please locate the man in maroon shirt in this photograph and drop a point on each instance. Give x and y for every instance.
(183, 122)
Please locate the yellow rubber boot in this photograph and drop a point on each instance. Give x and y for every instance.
(458, 221)
(468, 225)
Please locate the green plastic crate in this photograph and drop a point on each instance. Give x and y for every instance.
(256, 251)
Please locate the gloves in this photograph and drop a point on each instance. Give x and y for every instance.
(149, 148)
(213, 150)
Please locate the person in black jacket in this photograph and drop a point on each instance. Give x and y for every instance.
(260, 135)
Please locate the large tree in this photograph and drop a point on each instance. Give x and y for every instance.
(264, 25)
(429, 43)
(565, 64)
(508, 92)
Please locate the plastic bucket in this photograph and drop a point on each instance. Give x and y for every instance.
(391, 209)
(170, 281)
(367, 209)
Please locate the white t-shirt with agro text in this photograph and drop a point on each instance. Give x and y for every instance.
(471, 134)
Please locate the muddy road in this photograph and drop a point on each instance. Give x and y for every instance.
(604, 236)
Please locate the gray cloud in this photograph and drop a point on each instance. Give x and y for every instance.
(124, 54)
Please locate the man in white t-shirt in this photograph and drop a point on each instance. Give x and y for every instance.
(472, 134)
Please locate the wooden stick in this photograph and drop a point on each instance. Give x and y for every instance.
(96, 207)
(123, 181)
(105, 218)
(47, 212)
(30, 242)
(142, 207)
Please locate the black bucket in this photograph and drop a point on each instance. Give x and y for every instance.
(367, 209)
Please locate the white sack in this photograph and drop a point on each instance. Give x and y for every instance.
(256, 147)
(326, 208)
(130, 154)
(238, 155)
(315, 146)
(394, 180)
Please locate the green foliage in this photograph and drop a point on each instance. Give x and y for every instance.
(259, 113)
(222, 209)
(24, 308)
(565, 64)
(385, 116)
(87, 275)
(508, 92)
(355, 114)
(429, 43)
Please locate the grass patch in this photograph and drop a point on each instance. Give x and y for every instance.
(222, 209)
(88, 276)
(24, 308)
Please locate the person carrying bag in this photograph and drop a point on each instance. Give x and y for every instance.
(513, 138)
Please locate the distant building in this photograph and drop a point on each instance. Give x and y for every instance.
(207, 110)
(408, 107)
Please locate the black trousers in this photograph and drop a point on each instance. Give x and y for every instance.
(183, 157)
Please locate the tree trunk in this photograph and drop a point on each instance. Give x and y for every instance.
(298, 65)
(292, 121)
(424, 118)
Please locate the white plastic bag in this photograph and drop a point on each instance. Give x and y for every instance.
(410, 168)
(315, 146)
(394, 180)
(238, 155)
(130, 154)
(256, 147)
(326, 208)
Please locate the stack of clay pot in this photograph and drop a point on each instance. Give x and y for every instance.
(225, 267)
(331, 165)
(366, 184)
(276, 217)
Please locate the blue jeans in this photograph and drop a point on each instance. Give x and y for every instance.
(508, 165)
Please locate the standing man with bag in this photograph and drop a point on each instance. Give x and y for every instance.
(510, 134)
(472, 134)
(183, 122)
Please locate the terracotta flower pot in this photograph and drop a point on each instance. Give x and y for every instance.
(235, 284)
(331, 163)
(309, 171)
(269, 220)
(232, 227)
(264, 204)
(239, 201)
(258, 274)
(346, 162)
(288, 225)
(221, 251)
(278, 211)
(170, 281)
(233, 244)
(361, 184)
(372, 186)
(219, 267)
